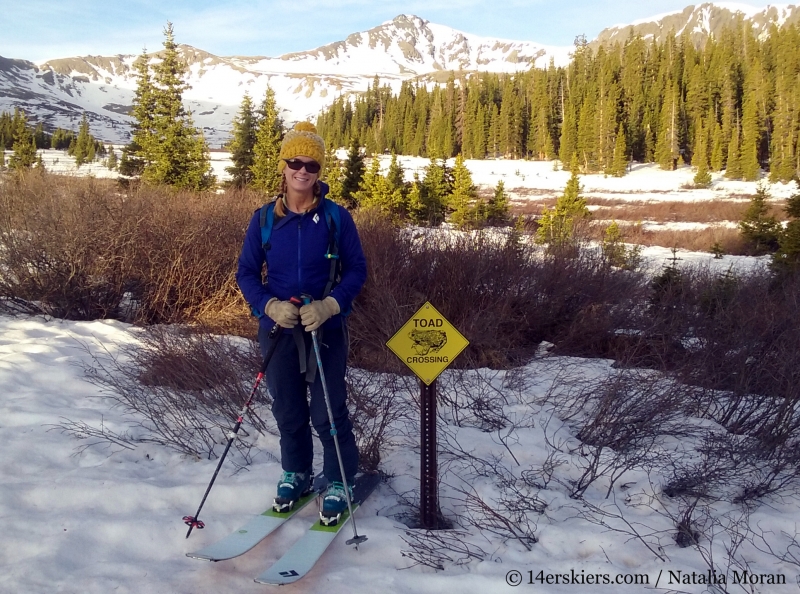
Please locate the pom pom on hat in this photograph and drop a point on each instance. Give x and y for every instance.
(302, 140)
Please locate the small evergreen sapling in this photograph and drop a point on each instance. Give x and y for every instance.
(557, 225)
(758, 227)
(787, 258)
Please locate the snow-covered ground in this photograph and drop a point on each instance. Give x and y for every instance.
(60, 162)
(103, 519)
(523, 180)
(645, 182)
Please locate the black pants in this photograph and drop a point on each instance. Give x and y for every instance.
(293, 409)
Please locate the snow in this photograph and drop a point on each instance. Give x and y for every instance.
(644, 182)
(98, 519)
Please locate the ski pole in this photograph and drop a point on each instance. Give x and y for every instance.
(193, 521)
(356, 540)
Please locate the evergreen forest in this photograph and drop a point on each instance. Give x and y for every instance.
(732, 104)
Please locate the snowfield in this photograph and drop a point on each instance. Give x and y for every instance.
(87, 517)
(524, 180)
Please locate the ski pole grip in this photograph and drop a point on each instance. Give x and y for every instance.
(304, 299)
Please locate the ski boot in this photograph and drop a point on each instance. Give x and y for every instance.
(291, 487)
(334, 503)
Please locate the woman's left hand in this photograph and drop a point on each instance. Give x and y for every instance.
(316, 313)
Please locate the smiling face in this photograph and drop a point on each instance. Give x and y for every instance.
(300, 181)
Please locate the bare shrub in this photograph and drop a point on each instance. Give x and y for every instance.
(192, 244)
(377, 403)
(735, 468)
(505, 506)
(619, 422)
(76, 247)
(472, 399)
(65, 245)
(505, 296)
(438, 548)
(183, 389)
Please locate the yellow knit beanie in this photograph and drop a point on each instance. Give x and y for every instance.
(302, 140)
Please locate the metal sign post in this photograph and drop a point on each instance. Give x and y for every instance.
(429, 474)
(428, 343)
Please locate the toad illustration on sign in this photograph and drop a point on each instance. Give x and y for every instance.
(426, 341)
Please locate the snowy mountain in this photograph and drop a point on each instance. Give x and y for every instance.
(405, 48)
(408, 47)
(702, 21)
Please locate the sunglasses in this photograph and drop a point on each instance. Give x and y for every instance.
(297, 165)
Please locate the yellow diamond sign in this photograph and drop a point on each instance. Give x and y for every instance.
(427, 343)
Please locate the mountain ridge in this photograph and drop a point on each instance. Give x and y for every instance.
(406, 48)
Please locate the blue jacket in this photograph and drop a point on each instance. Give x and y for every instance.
(296, 262)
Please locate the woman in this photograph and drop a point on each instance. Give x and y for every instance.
(298, 260)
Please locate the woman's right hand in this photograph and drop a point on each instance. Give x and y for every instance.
(283, 313)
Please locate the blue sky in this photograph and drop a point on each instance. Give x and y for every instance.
(37, 30)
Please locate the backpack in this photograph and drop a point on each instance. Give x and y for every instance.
(332, 219)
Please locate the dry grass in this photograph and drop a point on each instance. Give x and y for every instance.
(79, 248)
(713, 211)
(696, 240)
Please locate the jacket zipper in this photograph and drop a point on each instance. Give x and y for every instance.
(299, 255)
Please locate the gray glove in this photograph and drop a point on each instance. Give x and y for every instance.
(314, 314)
(284, 313)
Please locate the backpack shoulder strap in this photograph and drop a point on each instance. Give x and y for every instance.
(266, 220)
(333, 219)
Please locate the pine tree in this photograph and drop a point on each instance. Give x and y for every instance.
(267, 147)
(717, 154)
(751, 127)
(374, 191)
(733, 168)
(171, 149)
(414, 206)
(395, 180)
(782, 164)
(435, 190)
(2, 157)
(395, 175)
(498, 207)
(353, 174)
(787, 258)
(569, 139)
(242, 143)
(84, 144)
(619, 165)
(616, 253)
(24, 145)
(140, 151)
(40, 137)
(557, 225)
(112, 161)
(702, 177)
(667, 147)
(462, 199)
(758, 227)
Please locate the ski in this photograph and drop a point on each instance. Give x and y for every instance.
(245, 538)
(300, 559)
